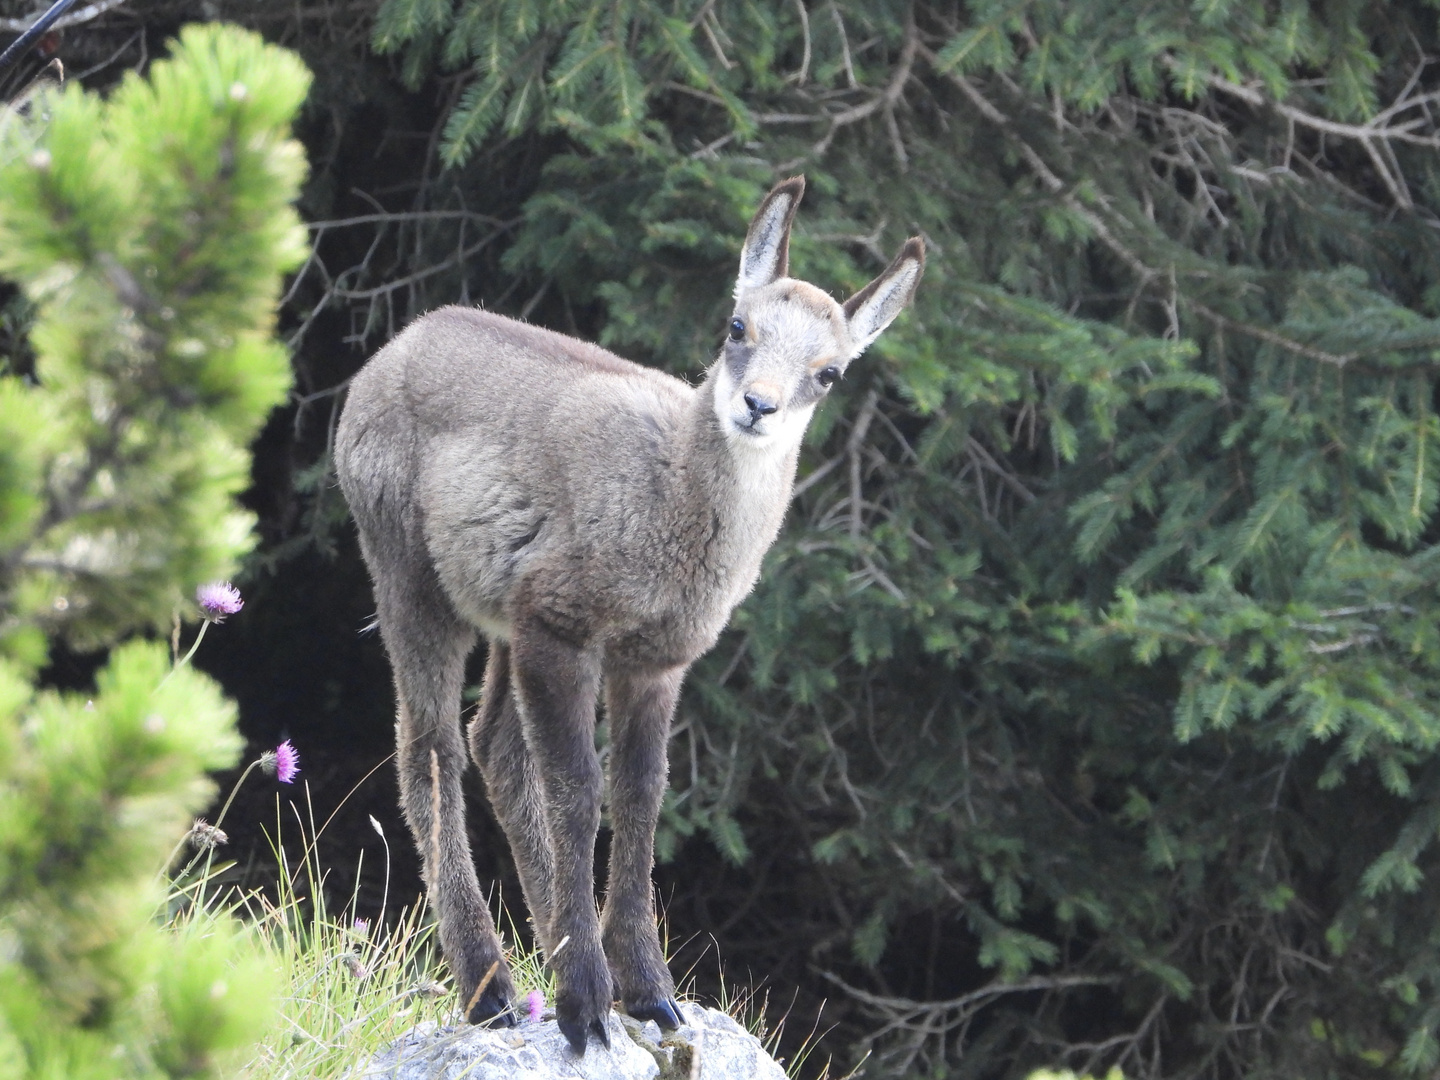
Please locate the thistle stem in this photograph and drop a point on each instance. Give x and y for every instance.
(198, 638)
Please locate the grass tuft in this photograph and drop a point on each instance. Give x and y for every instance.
(352, 987)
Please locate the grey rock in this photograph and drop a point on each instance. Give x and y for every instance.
(710, 1046)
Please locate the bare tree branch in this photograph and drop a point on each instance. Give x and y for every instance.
(75, 18)
(885, 99)
(1377, 127)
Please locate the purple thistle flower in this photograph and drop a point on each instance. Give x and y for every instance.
(283, 762)
(535, 1005)
(218, 599)
(287, 763)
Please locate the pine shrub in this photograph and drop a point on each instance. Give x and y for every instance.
(148, 232)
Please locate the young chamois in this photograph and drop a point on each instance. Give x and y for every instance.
(597, 521)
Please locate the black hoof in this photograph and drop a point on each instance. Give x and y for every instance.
(664, 1013)
(575, 1032)
(492, 1010)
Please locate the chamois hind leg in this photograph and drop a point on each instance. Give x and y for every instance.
(428, 645)
(639, 707)
(497, 743)
(556, 684)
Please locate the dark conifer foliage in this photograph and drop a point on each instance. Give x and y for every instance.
(1086, 712)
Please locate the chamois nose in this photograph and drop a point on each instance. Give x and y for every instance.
(759, 405)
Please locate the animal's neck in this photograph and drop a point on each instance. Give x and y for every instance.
(744, 490)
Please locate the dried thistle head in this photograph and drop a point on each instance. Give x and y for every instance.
(206, 837)
(428, 990)
(354, 965)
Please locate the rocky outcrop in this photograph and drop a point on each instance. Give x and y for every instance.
(710, 1046)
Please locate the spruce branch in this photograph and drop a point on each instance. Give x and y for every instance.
(1269, 336)
(853, 444)
(803, 74)
(839, 21)
(1124, 252)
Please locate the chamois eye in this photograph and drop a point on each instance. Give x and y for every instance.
(737, 329)
(827, 375)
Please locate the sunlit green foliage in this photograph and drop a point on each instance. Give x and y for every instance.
(148, 232)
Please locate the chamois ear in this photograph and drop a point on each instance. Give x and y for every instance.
(766, 255)
(875, 306)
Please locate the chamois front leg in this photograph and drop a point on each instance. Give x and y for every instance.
(556, 684)
(497, 743)
(639, 707)
(428, 645)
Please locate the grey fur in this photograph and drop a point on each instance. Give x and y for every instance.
(597, 521)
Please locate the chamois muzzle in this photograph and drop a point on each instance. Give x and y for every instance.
(759, 405)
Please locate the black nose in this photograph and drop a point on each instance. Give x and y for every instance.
(759, 406)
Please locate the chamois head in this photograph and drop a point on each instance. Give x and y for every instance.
(788, 341)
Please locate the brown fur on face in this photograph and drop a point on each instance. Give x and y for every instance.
(597, 521)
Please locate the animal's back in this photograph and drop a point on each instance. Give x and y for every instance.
(471, 436)
(461, 367)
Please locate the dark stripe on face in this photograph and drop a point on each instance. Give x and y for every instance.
(808, 391)
(737, 359)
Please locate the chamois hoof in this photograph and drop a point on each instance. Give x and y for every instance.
(664, 1012)
(491, 1009)
(576, 1030)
